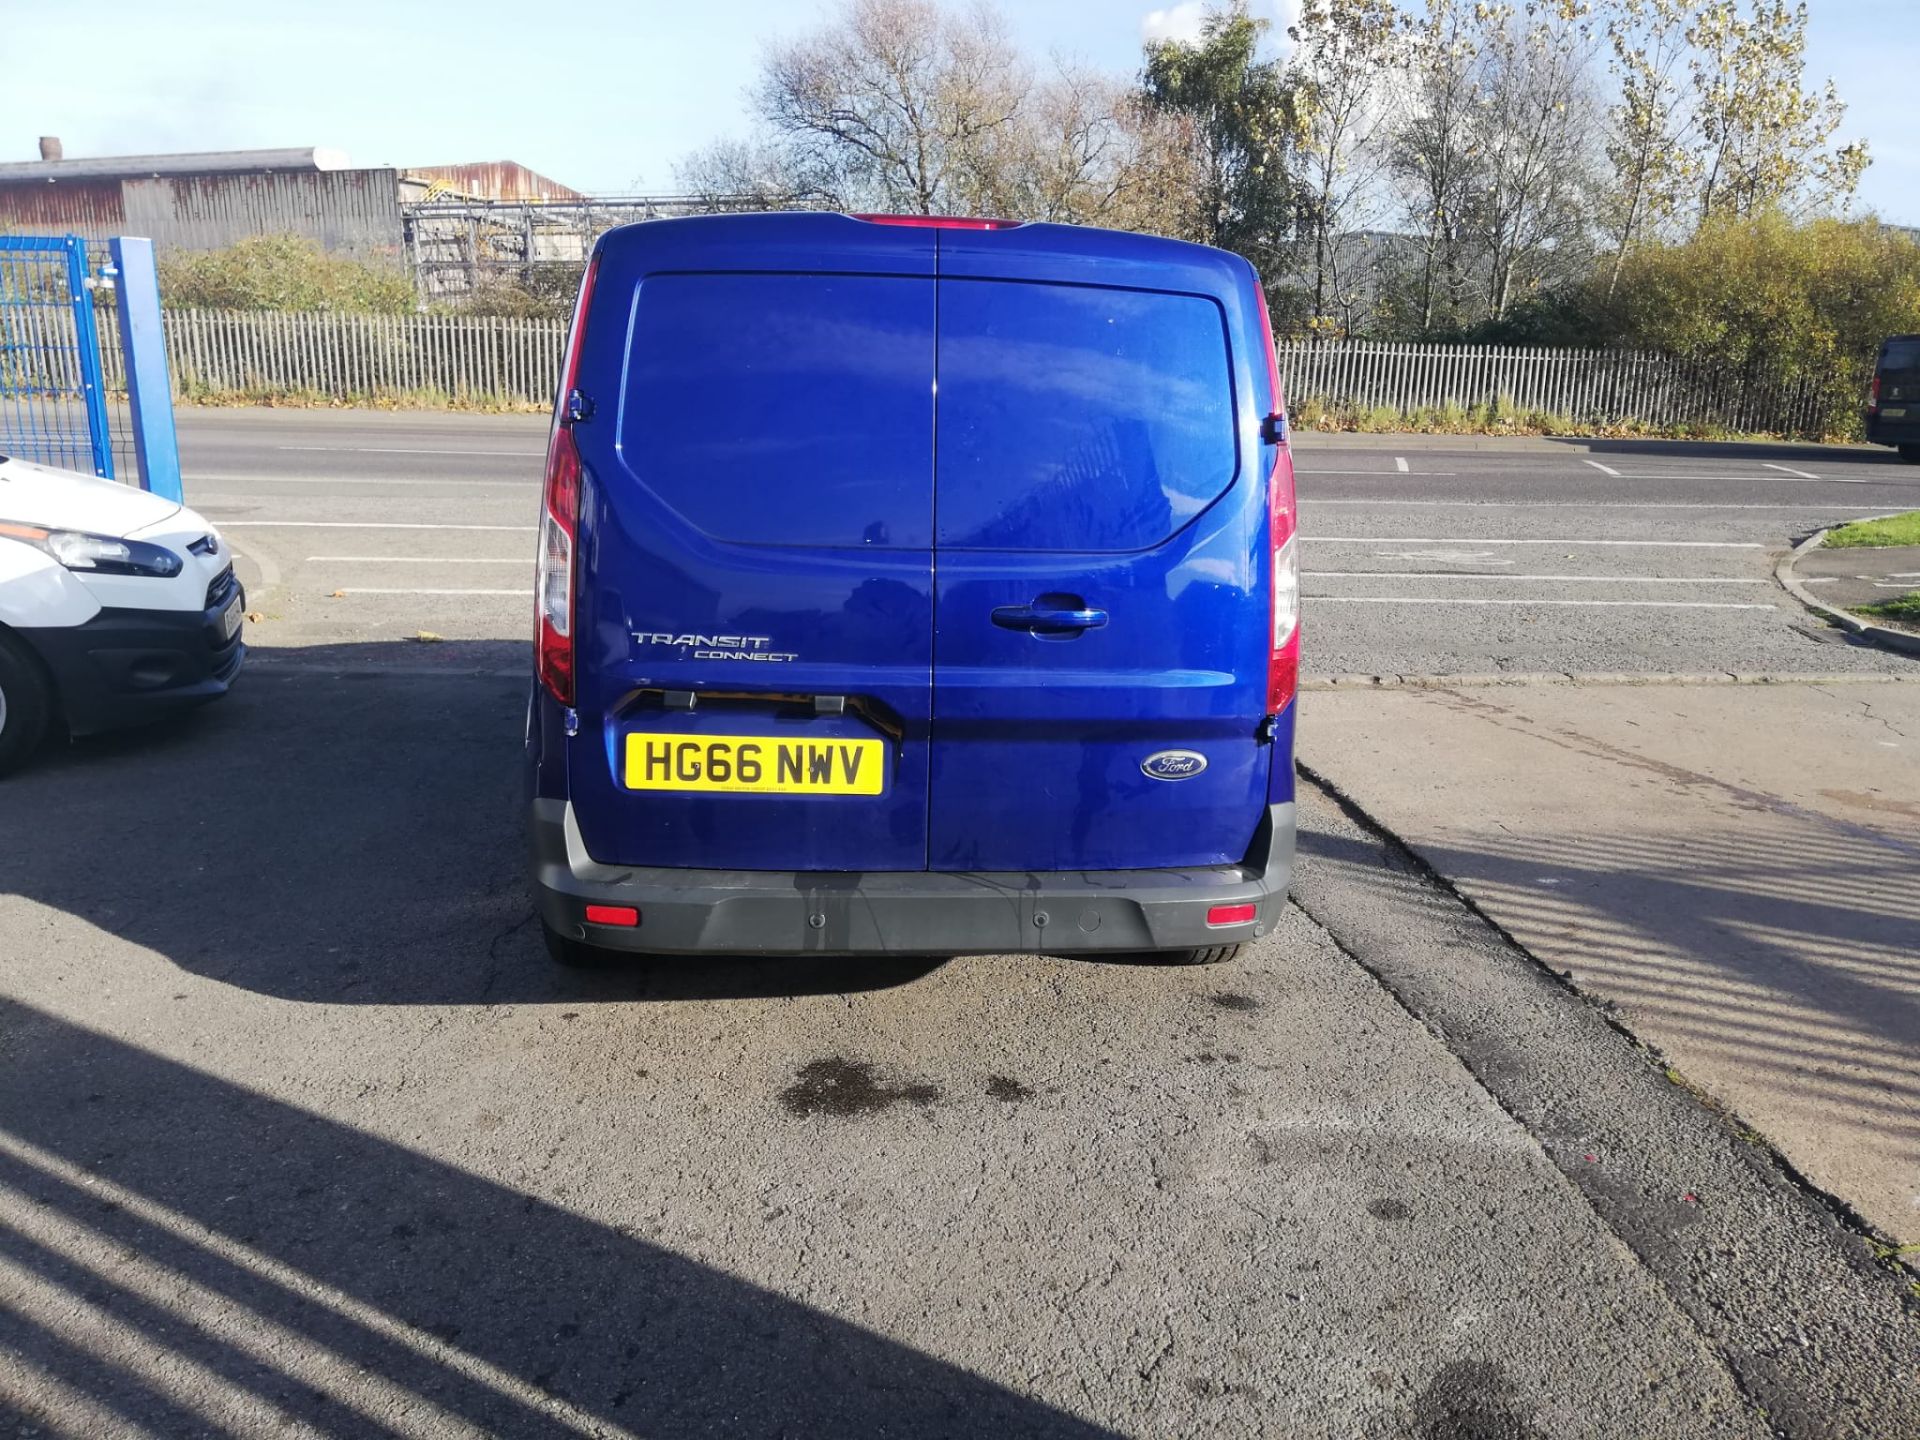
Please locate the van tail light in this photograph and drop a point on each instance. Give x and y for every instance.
(1283, 657)
(553, 575)
(1873, 395)
(553, 585)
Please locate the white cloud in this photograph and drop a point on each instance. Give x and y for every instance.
(1182, 22)
(1176, 22)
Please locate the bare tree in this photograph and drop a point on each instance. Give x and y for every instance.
(892, 105)
(1345, 57)
(1534, 121)
(1432, 157)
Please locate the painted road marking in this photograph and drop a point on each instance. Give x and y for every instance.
(406, 450)
(1378, 474)
(363, 525)
(1478, 540)
(1400, 463)
(229, 479)
(1789, 470)
(1605, 469)
(1583, 579)
(356, 590)
(1569, 504)
(1457, 600)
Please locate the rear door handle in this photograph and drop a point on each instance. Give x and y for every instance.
(1048, 620)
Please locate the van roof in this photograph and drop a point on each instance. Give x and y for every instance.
(831, 229)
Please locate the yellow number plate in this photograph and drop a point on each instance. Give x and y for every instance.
(756, 764)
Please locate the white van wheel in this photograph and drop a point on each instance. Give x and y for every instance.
(26, 703)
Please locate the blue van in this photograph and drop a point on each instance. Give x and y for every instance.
(915, 586)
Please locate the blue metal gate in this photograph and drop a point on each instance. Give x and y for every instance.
(53, 396)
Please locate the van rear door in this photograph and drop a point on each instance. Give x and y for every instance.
(755, 596)
(1101, 619)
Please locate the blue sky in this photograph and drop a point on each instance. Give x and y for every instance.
(604, 95)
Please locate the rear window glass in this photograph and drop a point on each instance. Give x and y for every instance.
(786, 409)
(1078, 418)
(1901, 355)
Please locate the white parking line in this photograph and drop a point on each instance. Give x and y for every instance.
(1605, 469)
(1456, 600)
(1567, 504)
(361, 525)
(1481, 540)
(414, 560)
(406, 450)
(251, 475)
(1400, 463)
(1787, 469)
(1582, 579)
(356, 590)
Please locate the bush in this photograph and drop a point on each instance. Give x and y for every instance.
(1765, 299)
(282, 272)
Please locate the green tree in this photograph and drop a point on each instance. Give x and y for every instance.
(1650, 125)
(1240, 113)
(1766, 140)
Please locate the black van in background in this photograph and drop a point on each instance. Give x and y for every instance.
(1893, 404)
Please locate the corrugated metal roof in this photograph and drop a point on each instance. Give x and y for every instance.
(205, 162)
(487, 180)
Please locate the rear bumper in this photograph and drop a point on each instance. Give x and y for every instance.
(1902, 431)
(770, 912)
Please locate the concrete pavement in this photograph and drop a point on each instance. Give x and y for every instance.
(1730, 867)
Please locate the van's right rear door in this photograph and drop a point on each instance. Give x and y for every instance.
(1100, 613)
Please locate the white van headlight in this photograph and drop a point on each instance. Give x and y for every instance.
(97, 554)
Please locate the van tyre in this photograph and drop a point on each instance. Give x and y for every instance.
(26, 703)
(1910, 454)
(1210, 955)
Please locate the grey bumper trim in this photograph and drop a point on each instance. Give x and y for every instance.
(774, 912)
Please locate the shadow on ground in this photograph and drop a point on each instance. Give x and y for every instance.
(297, 1267)
(347, 826)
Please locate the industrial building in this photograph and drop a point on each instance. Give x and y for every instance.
(452, 226)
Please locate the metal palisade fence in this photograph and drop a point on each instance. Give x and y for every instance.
(490, 360)
(1586, 386)
(331, 355)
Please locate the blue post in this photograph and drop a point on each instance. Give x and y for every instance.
(93, 383)
(149, 392)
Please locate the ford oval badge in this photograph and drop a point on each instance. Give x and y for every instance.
(1173, 765)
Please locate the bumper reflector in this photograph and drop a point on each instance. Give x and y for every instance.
(1232, 914)
(612, 915)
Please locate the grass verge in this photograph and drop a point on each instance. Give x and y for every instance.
(1902, 610)
(1894, 530)
(1503, 417)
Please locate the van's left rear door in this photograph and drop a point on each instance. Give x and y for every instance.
(755, 610)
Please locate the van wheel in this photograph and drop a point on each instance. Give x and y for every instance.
(1910, 454)
(572, 953)
(26, 703)
(1211, 955)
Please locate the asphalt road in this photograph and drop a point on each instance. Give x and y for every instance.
(1420, 555)
(300, 1131)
